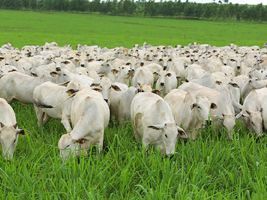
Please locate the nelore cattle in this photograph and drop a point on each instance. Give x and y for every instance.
(166, 92)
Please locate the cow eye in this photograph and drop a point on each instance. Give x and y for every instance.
(67, 146)
(199, 107)
(232, 60)
(15, 141)
(166, 136)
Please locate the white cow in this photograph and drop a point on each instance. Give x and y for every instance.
(142, 76)
(89, 117)
(224, 110)
(52, 100)
(153, 122)
(16, 85)
(9, 130)
(166, 82)
(254, 111)
(189, 112)
(120, 102)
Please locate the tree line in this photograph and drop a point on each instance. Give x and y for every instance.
(147, 8)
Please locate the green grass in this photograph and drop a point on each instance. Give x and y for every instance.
(21, 28)
(209, 168)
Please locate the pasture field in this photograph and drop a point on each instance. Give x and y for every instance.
(209, 168)
(21, 28)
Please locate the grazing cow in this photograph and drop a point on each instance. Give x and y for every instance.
(120, 102)
(9, 130)
(254, 111)
(224, 109)
(153, 122)
(189, 112)
(52, 100)
(16, 85)
(89, 117)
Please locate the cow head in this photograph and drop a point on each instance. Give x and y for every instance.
(167, 135)
(9, 139)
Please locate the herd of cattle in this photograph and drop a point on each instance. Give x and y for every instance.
(167, 92)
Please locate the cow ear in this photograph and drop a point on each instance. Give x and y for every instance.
(234, 85)
(71, 92)
(116, 88)
(156, 92)
(53, 74)
(213, 105)
(193, 106)
(97, 89)
(114, 71)
(245, 114)
(94, 84)
(34, 74)
(139, 90)
(20, 132)
(169, 74)
(81, 141)
(65, 83)
(218, 82)
(181, 133)
(156, 127)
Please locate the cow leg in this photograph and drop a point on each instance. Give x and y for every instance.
(39, 115)
(66, 123)
(100, 142)
(137, 124)
(65, 120)
(45, 117)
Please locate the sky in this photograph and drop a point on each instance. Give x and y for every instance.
(235, 1)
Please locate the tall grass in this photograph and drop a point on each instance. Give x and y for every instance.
(209, 168)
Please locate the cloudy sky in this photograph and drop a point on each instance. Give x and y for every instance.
(235, 1)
